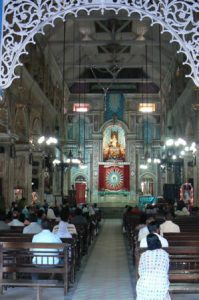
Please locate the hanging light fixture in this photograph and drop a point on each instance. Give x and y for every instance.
(44, 139)
(146, 107)
(83, 165)
(71, 160)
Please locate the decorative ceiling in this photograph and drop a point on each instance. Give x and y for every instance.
(112, 53)
(108, 42)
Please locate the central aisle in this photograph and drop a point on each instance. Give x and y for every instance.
(106, 274)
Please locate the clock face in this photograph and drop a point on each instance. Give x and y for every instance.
(114, 179)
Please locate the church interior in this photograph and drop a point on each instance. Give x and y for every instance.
(101, 109)
(85, 82)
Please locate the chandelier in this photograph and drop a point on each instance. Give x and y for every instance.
(175, 150)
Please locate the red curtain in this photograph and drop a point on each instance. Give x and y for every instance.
(114, 178)
(80, 192)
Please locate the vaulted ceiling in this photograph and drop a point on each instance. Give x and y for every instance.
(101, 53)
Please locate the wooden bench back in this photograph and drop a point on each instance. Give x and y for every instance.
(184, 263)
(18, 257)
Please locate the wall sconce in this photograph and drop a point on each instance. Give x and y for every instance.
(47, 140)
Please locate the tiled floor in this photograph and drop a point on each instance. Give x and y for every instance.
(106, 273)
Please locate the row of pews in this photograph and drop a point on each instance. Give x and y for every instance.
(183, 252)
(55, 265)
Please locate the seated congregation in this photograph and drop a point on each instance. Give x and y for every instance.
(165, 251)
(43, 246)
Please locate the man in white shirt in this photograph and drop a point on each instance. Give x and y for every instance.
(33, 227)
(153, 227)
(143, 232)
(61, 230)
(45, 236)
(15, 221)
(168, 225)
(64, 229)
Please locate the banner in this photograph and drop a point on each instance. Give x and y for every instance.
(114, 178)
(147, 132)
(80, 188)
(114, 106)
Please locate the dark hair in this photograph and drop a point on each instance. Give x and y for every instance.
(153, 241)
(40, 213)
(45, 224)
(64, 215)
(143, 218)
(153, 226)
(78, 211)
(168, 216)
(33, 218)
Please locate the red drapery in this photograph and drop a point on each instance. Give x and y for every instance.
(114, 178)
(80, 192)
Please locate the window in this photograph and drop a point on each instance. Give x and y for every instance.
(81, 107)
(147, 107)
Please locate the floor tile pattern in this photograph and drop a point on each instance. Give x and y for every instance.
(107, 274)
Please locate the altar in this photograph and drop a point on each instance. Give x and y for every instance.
(114, 178)
(114, 170)
(146, 199)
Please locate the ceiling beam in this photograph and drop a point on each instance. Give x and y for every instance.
(108, 80)
(123, 26)
(103, 27)
(109, 65)
(109, 42)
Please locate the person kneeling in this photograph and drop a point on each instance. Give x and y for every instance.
(153, 282)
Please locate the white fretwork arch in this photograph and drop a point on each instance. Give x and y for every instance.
(23, 19)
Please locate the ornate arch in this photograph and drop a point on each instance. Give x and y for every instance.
(23, 19)
(111, 123)
(77, 174)
(36, 127)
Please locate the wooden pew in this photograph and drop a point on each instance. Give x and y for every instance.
(16, 259)
(70, 242)
(79, 244)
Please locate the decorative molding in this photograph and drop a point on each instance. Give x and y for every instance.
(113, 163)
(23, 19)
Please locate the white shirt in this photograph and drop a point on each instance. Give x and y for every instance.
(45, 236)
(169, 226)
(51, 214)
(32, 228)
(61, 230)
(183, 212)
(164, 242)
(70, 227)
(143, 232)
(15, 222)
